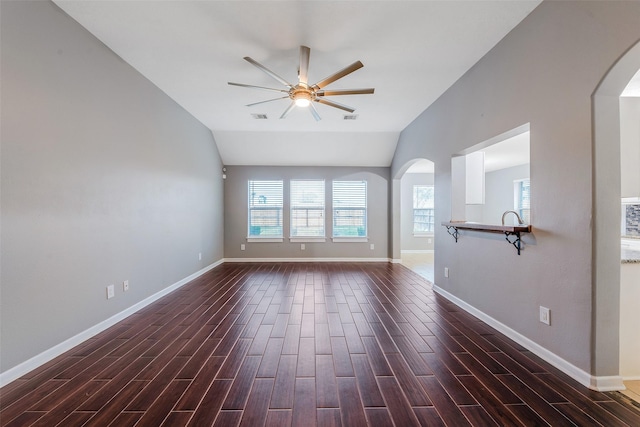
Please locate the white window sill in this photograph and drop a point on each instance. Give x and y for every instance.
(307, 239)
(265, 239)
(422, 234)
(349, 239)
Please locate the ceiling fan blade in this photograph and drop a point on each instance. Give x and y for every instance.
(288, 110)
(345, 92)
(314, 112)
(340, 74)
(268, 71)
(268, 100)
(258, 87)
(335, 104)
(304, 65)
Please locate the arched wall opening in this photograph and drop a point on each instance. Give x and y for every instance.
(606, 219)
(417, 218)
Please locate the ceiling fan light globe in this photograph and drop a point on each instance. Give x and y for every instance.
(302, 102)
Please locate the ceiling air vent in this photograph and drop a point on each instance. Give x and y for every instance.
(259, 116)
(350, 116)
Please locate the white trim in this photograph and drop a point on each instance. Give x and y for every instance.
(307, 239)
(265, 239)
(608, 383)
(349, 239)
(417, 251)
(55, 351)
(631, 378)
(395, 261)
(313, 259)
(422, 235)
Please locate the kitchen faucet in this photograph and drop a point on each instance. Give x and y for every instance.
(520, 221)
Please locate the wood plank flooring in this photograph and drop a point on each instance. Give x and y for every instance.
(304, 344)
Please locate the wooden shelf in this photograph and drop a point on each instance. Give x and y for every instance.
(511, 232)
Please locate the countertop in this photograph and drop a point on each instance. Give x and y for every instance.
(526, 228)
(630, 251)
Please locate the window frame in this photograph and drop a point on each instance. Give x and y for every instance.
(251, 208)
(295, 205)
(432, 213)
(518, 199)
(362, 198)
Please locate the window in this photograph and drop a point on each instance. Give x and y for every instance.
(423, 220)
(307, 208)
(349, 208)
(631, 217)
(522, 198)
(265, 209)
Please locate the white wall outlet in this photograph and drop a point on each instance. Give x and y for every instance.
(429, 240)
(446, 272)
(302, 247)
(372, 246)
(125, 285)
(545, 315)
(199, 256)
(111, 291)
(242, 247)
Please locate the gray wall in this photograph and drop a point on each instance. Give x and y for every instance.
(630, 146)
(235, 213)
(499, 193)
(409, 241)
(498, 196)
(543, 73)
(104, 179)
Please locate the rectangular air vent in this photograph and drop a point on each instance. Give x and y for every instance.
(259, 116)
(350, 116)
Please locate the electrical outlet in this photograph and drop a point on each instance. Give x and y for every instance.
(302, 247)
(372, 246)
(446, 272)
(125, 285)
(429, 240)
(242, 246)
(111, 291)
(199, 256)
(545, 315)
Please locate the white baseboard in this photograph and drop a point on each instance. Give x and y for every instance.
(47, 355)
(416, 251)
(307, 260)
(608, 383)
(631, 378)
(395, 261)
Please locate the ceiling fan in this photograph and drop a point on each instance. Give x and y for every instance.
(302, 94)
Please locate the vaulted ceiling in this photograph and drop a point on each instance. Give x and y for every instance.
(412, 52)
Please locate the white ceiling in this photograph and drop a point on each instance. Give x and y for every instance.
(511, 152)
(412, 52)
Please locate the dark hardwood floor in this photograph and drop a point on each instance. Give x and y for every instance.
(304, 344)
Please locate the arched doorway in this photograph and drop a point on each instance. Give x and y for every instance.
(417, 216)
(607, 213)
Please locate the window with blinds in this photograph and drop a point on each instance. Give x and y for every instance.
(423, 209)
(349, 208)
(522, 199)
(265, 209)
(307, 208)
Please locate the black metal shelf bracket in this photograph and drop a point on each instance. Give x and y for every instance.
(454, 233)
(517, 242)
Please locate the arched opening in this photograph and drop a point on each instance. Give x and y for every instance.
(417, 218)
(606, 344)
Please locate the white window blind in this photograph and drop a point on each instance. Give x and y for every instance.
(265, 208)
(349, 208)
(423, 209)
(307, 208)
(522, 193)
